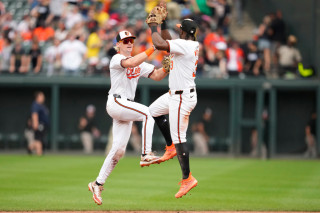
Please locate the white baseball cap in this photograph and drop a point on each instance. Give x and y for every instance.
(124, 34)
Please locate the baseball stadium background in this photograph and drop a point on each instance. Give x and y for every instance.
(229, 178)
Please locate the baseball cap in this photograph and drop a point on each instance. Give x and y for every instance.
(188, 25)
(124, 34)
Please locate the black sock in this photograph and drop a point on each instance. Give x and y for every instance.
(163, 124)
(183, 157)
(98, 184)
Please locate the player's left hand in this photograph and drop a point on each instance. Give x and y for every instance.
(156, 16)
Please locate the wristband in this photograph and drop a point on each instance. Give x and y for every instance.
(164, 70)
(164, 25)
(149, 51)
(153, 29)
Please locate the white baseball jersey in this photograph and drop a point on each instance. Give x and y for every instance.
(124, 80)
(184, 60)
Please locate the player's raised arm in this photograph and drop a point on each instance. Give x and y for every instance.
(157, 16)
(137, 59)
(164, 28)
(157, 39)
(164, 31)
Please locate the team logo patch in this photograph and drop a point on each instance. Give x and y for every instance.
(133, 72)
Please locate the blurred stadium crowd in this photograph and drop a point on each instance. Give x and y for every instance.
(76, 37)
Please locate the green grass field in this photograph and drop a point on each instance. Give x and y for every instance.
(59, 182)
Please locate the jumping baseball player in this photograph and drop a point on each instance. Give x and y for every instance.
(182, 97)
(125, 72)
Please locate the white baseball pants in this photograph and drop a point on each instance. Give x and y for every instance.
(179, 107)
(124, 112)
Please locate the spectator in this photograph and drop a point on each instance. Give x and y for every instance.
(253, 60)
(91, 22)
(57, 8)
(80, 31)
(278, 27)
(201, 133)
(288, 57)
(311, 137)
(72, 54)
(101, 16)
(43, 33)
(40, 122)
(174, 10)
(42, 13)
(18, 60)
(139, 27)
(9, 25)
(51, 56)
(213, 42)
(94, 44)
(235, 58)
(264, 43)
(61, 33)
(24, 25)
(88, 129)
(73, 17)
(5, 56)
(221, 10)
(34, 57)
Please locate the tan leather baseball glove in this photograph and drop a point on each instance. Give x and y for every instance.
(157, 15)
(166, 63)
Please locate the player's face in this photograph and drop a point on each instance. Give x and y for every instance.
(126, 44)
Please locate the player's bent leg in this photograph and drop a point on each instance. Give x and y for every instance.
(188, 181)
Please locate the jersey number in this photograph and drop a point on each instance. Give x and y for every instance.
(195, 69)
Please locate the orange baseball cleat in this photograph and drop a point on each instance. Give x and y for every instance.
(186, 186)
(169, 154)
(96, 192)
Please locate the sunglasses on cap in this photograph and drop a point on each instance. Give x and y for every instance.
(127, 40)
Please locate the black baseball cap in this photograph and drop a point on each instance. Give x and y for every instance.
(188, 25)
(124, 34)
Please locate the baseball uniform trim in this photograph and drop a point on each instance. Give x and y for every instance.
(168, 45)
(151, 72)
(121, 63)
(145, 124)
(179, 118)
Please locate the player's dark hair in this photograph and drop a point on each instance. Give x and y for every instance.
(192, 36)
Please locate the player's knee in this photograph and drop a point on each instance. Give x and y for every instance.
(119, 154)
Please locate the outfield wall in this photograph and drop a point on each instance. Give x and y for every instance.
(237, 108)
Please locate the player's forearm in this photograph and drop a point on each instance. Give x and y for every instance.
(158, 74)
(137, 59)
(165, 32)
(157, 40)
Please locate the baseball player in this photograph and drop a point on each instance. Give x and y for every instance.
(182, 97)
(125, 72)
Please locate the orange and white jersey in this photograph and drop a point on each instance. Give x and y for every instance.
(124, 80)
(184, 60)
